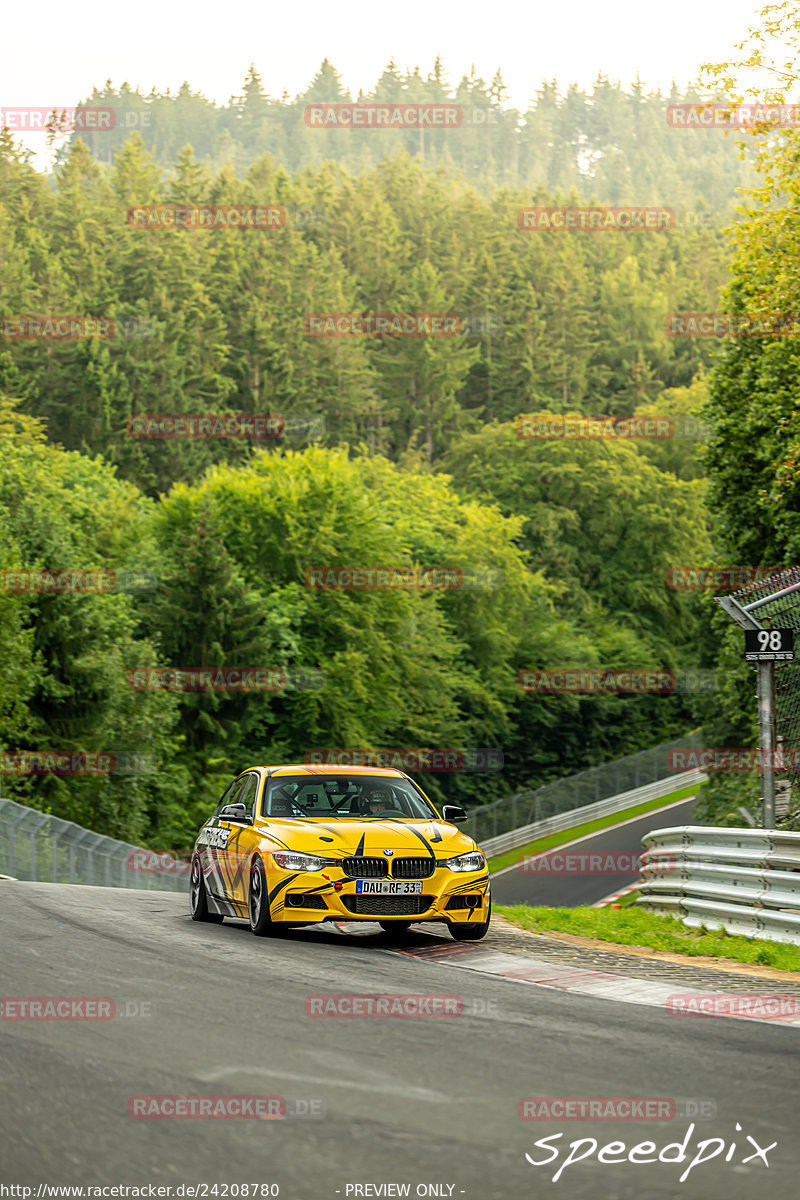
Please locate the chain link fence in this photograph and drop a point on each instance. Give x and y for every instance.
(576, 791)
(39, 846)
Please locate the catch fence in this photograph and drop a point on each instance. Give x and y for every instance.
(39, 846)
(576, 791)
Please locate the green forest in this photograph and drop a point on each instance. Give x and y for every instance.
(398, 451)
(614, 141)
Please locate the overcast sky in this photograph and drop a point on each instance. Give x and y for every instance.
(53, 53)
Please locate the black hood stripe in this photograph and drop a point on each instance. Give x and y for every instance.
(416, 834)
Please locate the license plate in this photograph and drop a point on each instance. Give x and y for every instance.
(388, 887)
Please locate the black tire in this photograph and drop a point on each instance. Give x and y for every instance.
(198, 901)
(258, 900)
(395, 929)
(474, 931)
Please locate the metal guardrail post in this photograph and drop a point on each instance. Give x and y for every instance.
(55, 857)
(98, 839)
(12, 862)
(107, 855)
(59, 829)
(125, 871)
(74, 848)
(766, 740)
(45, 817)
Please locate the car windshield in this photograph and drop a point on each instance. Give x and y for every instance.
(360, 797)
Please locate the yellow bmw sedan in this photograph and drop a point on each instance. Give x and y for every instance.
(297, 845)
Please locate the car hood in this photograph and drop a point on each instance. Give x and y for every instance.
(371, 838)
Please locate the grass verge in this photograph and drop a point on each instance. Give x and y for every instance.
(567, 835)
(634, 927)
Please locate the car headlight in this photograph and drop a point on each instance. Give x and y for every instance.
(298, 862)
(473, 861)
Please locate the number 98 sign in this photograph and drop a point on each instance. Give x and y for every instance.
(769, 645)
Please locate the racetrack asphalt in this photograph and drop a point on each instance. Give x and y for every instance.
(551, 880)
(428, 1101)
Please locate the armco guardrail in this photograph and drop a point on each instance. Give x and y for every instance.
(743, 880)
(578, 791)
(39, 846)
(576, 816)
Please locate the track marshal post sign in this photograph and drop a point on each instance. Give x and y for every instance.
(769, 645)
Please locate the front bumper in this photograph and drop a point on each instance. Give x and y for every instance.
(460, 897)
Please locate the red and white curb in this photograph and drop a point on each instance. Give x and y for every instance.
(770, 1008)
(626, 891)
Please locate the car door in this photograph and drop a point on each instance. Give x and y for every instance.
(242, 840)
(215, 836)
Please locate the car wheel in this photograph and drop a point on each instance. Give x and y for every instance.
(198, 901)
(395, 929)
(258, 900)
(474, 931)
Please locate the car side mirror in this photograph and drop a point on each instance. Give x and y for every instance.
(233, 812)
(453, 813)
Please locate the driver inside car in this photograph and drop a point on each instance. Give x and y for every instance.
(375, 801)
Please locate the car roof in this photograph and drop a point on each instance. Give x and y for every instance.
(329, 769)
